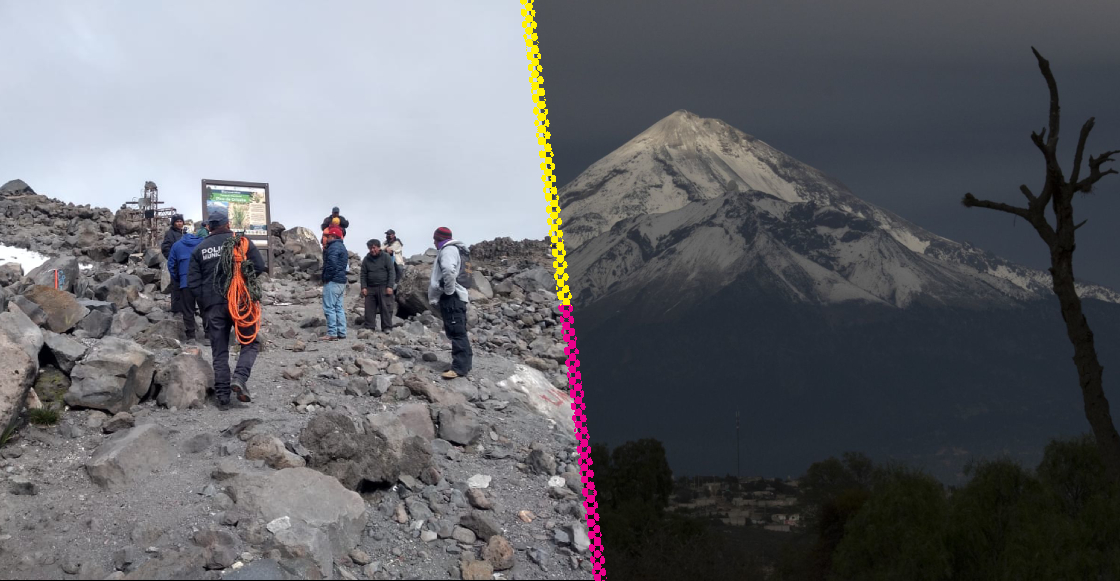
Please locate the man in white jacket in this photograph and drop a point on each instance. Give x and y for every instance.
(451, 297)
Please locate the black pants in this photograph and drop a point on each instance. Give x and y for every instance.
(377, 303)
(177, 298)
(186, 309)
(454, 313)
(220, 324)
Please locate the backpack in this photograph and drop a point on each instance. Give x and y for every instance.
(465, 277)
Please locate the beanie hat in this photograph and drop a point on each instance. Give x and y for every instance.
(335, 231)
(334, 221)
(443, 233)
(176, 218)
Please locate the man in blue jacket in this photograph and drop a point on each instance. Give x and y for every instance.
(335, 260)
(178, 264)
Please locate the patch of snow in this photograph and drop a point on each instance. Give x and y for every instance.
(27, 259)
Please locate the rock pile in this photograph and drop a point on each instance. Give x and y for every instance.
(354, 460)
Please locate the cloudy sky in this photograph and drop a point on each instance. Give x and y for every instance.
(910, 104)
(409, 116)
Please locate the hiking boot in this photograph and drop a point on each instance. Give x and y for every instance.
(238, 386)
(328, 338)
(449, 374)
(223, 403)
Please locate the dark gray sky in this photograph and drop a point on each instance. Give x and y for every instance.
(909, 104)
(405, 115)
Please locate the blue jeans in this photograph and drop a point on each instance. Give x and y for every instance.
(332, 308)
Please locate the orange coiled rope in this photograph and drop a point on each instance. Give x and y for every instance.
(245, 311)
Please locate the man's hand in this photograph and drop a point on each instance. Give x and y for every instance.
(389, 290)
(364, 292)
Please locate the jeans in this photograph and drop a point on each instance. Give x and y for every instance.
(454, 313)
(333, 310)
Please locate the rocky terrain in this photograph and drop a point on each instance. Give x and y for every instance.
(353, 461)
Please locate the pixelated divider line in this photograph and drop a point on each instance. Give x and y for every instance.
(579, 417)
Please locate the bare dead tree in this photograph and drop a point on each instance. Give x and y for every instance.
(1058, 193)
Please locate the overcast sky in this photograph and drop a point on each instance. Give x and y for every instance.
(406, 115)
(909, 104)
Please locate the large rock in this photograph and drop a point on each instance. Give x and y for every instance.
(270, 449)
(165, 334)
(183, 381)
(66, 268)
(105, 290)
(17, 376)
(96, 324)
(67, 351)
(417, 419)
(534, 279)
(10, 273)
(324, 520)
(436, 394)
(458, 425)
(534, 390)
(127, 221)
(62, 308)
(128, 324)
(32, 310)
(129, 456)
(300, 240)
(482, 285)
(22, 331)
(114, 376)
(379, 455)
(412, 293)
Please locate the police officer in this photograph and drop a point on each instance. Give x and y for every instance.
(205, 280)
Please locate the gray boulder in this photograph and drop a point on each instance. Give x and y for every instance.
(114, 376)
(379, 455)
(324, 520)
(129, 456)
(62, 308)
(67, 270)
(67, 350)
(183, 381)
(16, 378)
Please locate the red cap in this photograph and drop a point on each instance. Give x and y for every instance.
(335, 231)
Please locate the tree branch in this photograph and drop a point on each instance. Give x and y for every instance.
(1081, 224)
(1085, 129)
(1027, 192)
(970, 201)
(1044, 65)
(1095, 173)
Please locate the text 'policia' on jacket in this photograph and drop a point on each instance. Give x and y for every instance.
(205, 268)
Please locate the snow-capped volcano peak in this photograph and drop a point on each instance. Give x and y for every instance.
(699, 202)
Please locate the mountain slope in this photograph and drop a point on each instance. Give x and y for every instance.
(699, 201)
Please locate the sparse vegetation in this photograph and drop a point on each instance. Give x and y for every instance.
(44, 416)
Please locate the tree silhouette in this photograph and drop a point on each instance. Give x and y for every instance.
(1057, 193)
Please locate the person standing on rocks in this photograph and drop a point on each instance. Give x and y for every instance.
(207, 280)
(446, 291)
(335, 261)
(173, 234)
(336, 220)
(395, 248)
(378, 278)
(178, 265)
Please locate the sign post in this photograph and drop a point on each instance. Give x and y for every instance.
(248, 206)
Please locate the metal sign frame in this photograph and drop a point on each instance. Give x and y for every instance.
(267, 210)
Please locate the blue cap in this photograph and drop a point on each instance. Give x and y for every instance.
(218, 217)
(334, 210)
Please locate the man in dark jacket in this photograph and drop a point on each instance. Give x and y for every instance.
(343, 223)
(173, 234)
(205, 279)
(335, 259)
(379, 277)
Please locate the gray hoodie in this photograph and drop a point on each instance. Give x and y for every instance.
(444, 271)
